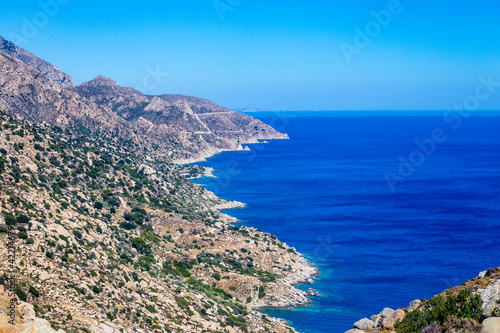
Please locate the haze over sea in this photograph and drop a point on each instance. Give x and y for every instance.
(324, 192)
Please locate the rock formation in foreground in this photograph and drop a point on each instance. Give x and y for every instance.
(472, 307)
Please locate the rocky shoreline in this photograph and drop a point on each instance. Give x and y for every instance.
(304, 272)
(211, 152)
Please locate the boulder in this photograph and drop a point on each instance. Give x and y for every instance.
(106, 328)
(60, 230)
(355, 330)
(27, 312)
(491, 325)
(388, 323)
(25, 321)
(414, 305)
(490, 295)
(387, 312)
(364, 324)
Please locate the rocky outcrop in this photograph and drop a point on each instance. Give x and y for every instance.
(486, 284)
(491, 298)
(23, 317)
(364, 324)
(389, 321)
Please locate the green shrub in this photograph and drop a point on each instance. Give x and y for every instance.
(127, 225)
(151, 308)
(96, 289)
(262, 293)
(10, 219)
(34, 291)
(78, 234)
(20, 293)
(23, 219)
(440, 309)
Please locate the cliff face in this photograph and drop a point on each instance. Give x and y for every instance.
(178, 127)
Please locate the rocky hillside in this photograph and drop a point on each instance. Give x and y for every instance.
(108, 233)
(472, 307)
(109, 240)
(179, 128)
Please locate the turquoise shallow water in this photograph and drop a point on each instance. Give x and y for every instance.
(325, 193)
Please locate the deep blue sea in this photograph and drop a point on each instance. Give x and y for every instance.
(325, 193)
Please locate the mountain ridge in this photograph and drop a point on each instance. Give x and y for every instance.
(44, 67)
(180, 128)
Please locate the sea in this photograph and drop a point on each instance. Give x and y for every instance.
(390, 206)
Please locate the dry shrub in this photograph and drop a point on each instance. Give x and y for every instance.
(454, 325)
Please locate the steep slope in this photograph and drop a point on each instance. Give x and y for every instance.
(142, 122)
(44, 67)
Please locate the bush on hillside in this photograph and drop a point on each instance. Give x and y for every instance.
(439, 309)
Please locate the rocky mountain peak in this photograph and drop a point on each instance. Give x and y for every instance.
(184, 106)
(101, 81)
(156, 105)
(44, 67)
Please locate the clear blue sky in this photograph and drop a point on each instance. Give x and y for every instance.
(274, 55)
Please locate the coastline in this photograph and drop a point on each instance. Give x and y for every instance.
(206, 154)
(285, 295)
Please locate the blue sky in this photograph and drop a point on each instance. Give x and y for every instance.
(272, 55)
